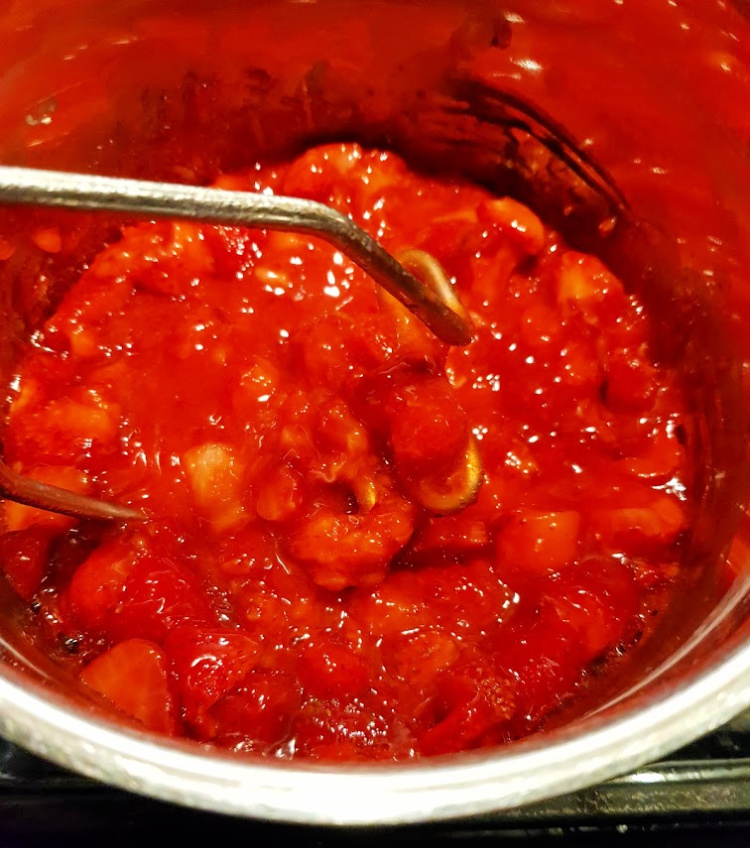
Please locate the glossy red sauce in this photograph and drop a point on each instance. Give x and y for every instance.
(284, 424)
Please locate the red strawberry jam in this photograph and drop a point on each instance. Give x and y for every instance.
(313, 581)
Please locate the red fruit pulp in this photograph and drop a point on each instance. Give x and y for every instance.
(274, 414)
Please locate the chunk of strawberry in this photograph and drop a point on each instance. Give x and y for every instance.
(328, 669)
(24, 555)
(258, 713)
(646, 527)
(158, 595)
(471, 702)
(207, 665)
(98, 584)
(320, 174)
(545, 659)
(428, 428)
(163, 258)
(662, 457)
(539, 542)
(631, 381)
(337, 731)
(419, 658)
(468, 599)
(330, 348)
(98, 294)
(448, 537)
(133, 675)
(280, 495)
(597, 600)
(65, 428)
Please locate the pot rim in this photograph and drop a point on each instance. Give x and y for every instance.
(429, 790)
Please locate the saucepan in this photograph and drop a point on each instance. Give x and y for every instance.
(650, 101)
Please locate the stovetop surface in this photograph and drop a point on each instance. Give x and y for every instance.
(698, 796)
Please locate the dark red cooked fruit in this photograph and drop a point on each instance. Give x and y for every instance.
(97, 586)
(334, 731)
(468, 597)
(544, 660)
(448, 537)
(257, 714)
(428, 428)
(580, 615)
(158, 595)
(207, 664)
(471, 702)
(631, 382)
(539, 542)
(596, 600)
(24, 555)
(328, 669)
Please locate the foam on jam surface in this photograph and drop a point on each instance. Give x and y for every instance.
(279, 419)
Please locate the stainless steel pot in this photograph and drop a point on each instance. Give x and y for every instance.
(96, 88)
